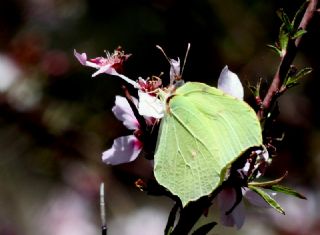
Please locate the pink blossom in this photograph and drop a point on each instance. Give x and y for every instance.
(151, 85)
(125, 148)
(111, 64)
(149, 104)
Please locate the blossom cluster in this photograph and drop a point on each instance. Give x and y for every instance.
(151, 109)
(127, 148)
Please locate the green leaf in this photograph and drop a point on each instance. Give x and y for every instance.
(268, 199)
(203, 230)
(283, 39)
(202, 132)
(288, 27)
(275, 49)
(294, 79)
(298, 15)
(299, 33)
(285, 20)
(266, 184)
(286, 190)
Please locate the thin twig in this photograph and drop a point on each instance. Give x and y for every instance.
(103, 211)
(287, 60)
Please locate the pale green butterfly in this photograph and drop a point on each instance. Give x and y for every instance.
(202, 132)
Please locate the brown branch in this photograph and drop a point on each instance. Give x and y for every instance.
(286, 61)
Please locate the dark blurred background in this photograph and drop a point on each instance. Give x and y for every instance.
(55, 120)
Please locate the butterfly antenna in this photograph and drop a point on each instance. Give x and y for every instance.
(103, 211)
(165, 55)
(185, 58)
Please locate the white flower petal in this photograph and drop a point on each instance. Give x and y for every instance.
(124, 113)
(128, 80)
(149, 105)
(105, 69)
(229, 82)
(124, 149)
(263, 154)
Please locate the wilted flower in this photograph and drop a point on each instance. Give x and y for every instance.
(261, 162)
(175, 72)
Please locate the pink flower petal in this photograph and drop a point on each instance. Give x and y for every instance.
(109, 65)
(105, 69)
(81, 57)
(124, 149)
(124, 113)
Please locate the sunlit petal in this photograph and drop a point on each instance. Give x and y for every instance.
(124, 113)
(230, 83)
(150, 106)
(124, 149)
